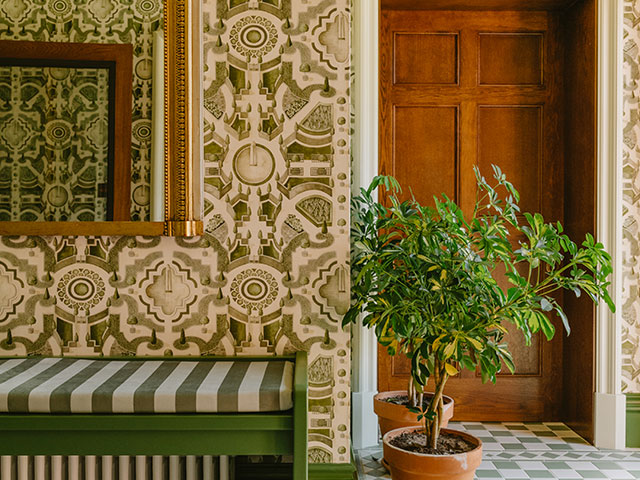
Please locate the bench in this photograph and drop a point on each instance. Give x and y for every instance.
(155, 406)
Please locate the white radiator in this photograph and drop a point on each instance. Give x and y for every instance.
(111, 468)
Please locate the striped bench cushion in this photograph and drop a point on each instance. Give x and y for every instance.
(67, 385)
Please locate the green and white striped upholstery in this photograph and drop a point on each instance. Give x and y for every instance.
(67, 385)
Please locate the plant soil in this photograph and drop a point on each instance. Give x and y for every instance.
(447, 444)
(404, 400)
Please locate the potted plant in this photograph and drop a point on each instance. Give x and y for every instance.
(426, 280)
(369, 217)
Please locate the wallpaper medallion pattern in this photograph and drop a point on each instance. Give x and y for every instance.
(100, 21)
(54, 126)
(276, 96)
(270, 275)
(631, 200)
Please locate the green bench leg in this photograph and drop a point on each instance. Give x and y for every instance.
(300, 422)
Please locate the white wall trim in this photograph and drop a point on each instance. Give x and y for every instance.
(364, 426)
(609, 402)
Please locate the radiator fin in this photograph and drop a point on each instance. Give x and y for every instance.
(109, 468)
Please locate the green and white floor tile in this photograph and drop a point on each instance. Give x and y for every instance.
(513, 450)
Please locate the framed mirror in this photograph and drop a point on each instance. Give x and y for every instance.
(96, 136)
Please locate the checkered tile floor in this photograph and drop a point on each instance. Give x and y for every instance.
(514, 450)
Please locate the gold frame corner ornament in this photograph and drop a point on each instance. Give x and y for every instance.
(191, 228)
(179, 141)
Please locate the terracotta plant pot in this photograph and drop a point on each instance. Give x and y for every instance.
(392, 416)
(406, 465)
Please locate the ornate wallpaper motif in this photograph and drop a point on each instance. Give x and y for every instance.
(276, 187)
(631, 206)
(108, 21)
(53, 143)
(270, 275)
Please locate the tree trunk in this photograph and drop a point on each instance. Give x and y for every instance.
(411, 392)
(435, 406)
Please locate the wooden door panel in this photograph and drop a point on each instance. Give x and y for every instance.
(528, 358)
(499, 52)
(511, 137)
(426, 141)
(440, 66)
(500, 106)
(401, 367)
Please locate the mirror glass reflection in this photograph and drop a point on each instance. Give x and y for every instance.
(54, 155)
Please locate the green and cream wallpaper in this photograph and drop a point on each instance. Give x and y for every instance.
(84, 21)
(631, 200)
(271, 274)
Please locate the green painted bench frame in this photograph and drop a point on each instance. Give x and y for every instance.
(273, 433)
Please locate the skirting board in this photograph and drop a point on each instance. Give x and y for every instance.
(633, 420)
(332, 471)
(317, 471)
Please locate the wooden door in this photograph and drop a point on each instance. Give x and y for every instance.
(465, 88)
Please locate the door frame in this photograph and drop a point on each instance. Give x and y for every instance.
(364, 148)
(609, 401)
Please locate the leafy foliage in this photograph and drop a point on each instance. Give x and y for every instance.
(427, 280)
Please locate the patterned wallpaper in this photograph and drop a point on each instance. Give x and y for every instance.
(271, 273)
(631, 205)
(100, 21)
(276, 132)
(53, 143)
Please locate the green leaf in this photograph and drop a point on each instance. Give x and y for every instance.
(449, 350)
(546, 326)
(468, 363)
(608, 301)
(351, 316)
(508, 361)
(565, 320)
(450, 369)
(546, 305)
(476, 344)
